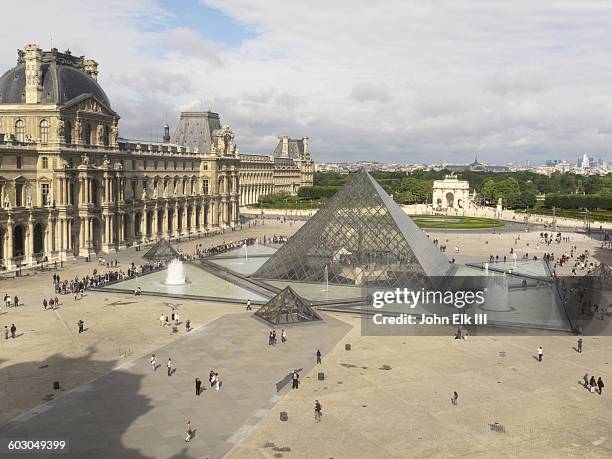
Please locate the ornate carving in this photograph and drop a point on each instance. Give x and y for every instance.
(106, 162)
(90, 105)
(60, 128)
(100, 134)
(29, 201)
(84, 160)
(7, 203)
(114, 135)
(78, 130)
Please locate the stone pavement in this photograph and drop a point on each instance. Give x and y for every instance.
(389, 397)
(134, 412)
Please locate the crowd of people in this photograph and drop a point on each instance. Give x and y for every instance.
(201, 252)
(78, 285)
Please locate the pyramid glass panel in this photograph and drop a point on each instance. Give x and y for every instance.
(359, 237)
(287, 307)
(161, 251)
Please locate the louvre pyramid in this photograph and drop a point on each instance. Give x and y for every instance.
(359, 237)
(286, 308)
(161, 251)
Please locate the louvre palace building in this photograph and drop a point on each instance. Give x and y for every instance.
(71, 186)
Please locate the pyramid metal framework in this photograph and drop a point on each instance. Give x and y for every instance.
(359, 237)
(161, 251)
(286, 308)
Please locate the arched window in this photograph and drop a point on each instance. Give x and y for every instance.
(20, 131)
(68, 132)
(44, 131)
(45, 162)
(87, 134)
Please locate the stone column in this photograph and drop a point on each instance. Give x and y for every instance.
(165, 232)
(8, 254)
(175, 230)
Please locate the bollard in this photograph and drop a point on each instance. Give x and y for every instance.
(347, 347)
(321, 376)
(56, 385)
(284, 416)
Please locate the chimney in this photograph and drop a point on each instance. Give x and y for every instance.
(166, 133)
(91, 68)
(33, 73)
(285, 147)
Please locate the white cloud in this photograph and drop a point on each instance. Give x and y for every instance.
(399, 80)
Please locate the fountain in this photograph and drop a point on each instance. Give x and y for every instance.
(176, 273)
(246, 253)
(486, 269)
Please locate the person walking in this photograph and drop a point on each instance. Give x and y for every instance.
(13, 331)
(44, 304)
(600, 384)
(198, 386)
(211, 378)
(455, 398)
(169, 365)
(318, 411)
(248, 307)
(16, 301)
(153, 362)
(188, 325)
(283, 336)
(540, 353)
(80, 323)
(176, 319)
(6, 332)
(580, 345)
(217, 381)
(189, 432)
(318, 356)
(295, 377)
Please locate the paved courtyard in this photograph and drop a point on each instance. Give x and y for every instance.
(113, 405)
(135, 412)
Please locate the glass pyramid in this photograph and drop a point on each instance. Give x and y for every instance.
(287, 307)
(161, 251)
(359, 237)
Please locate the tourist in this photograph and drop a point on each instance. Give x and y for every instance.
(153, 362)
(211, 378)
(16, 301)
(273, 337)
(198, 386)
(296, 380)
(580, 345)
(248, 307)
(51, 303)
(455, 398)
(600, 384)
(80, 323)
(56, 303)
(6, 332)
(169, 365)
(189, 432)
(44, 304)
(13, 331)
(176, 318)
(166, 321)
(162, 320)
(540, 353)
(283, 336)
(318, 411)
(318, 356)
(188, 325)
(593, 384)
(270, 339)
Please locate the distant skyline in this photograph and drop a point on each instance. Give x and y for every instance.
(397, 81)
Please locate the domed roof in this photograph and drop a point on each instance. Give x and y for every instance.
(63, 79)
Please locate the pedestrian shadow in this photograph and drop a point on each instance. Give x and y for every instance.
(18, 335)
(575, 349)
(172, 371)
(535, 357)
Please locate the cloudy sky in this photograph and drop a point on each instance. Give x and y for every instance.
(397, 81)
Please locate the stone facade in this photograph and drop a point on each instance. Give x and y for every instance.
(451, 193)
(70, 186)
